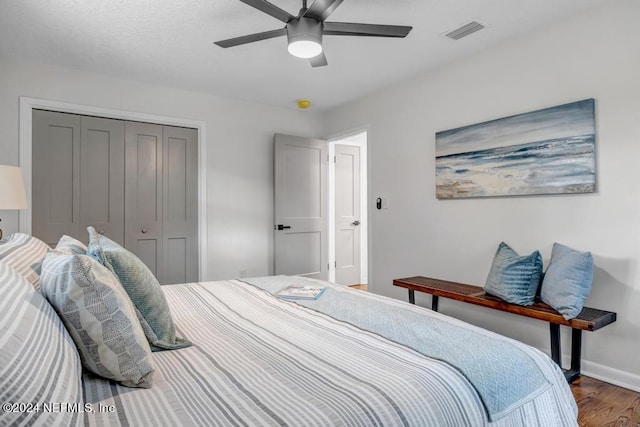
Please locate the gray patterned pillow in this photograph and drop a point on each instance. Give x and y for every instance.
(99, 317)
(38, 360)
(143, 289)
(25, 254)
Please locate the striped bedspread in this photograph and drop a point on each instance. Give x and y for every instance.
(260, 361)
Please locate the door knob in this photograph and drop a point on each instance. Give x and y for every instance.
(356, 222)
(144, 230)
(283, 227)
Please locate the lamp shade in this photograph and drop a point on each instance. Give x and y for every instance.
(12, 194)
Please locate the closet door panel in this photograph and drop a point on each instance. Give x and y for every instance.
(147, 251)
(180, 191)
(148, 166)
(60, 175)
(143, 194)
(55, 176)
(176, 262)
(102, 177)
(176, 176)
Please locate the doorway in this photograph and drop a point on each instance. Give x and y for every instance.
(320, 208)
(347, 204)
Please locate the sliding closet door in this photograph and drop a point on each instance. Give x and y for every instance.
(180, 204)
(143, 194)
(102, 177)
(55, 177)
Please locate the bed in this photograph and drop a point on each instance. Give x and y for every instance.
(350, 358)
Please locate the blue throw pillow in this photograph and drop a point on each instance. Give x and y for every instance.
(143, 289)
(567, 281)
(514, 278)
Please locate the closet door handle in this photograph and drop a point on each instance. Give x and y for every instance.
(144, 231)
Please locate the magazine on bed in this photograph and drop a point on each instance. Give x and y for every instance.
(298, 292)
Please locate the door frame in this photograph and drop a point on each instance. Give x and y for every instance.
(347, 139)
(28, 104)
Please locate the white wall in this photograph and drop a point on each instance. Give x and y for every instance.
(239, 151)
(593, 55)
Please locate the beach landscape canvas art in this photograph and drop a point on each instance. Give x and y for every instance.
(548, 151)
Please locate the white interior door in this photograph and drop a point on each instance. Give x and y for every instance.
(300, 206)
(347, 214)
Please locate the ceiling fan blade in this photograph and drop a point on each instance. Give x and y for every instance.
(321, 9)
(270, 9)
(236, 41)
(318, 61)
(370, 30)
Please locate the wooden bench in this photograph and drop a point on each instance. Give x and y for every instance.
(589, 319)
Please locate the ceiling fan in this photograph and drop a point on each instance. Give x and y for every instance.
(304, 32)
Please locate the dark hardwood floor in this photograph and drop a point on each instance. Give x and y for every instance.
(605, 405)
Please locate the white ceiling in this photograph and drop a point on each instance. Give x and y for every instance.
(170, 42)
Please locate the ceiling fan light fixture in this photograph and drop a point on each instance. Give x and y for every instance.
(305, 48)
(304, 37)
(304, 32)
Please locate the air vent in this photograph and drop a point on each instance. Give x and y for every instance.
(465, 30)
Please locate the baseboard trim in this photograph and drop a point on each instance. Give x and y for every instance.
(604, 373)
(611, 375)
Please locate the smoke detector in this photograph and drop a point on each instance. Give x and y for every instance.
(303, 104)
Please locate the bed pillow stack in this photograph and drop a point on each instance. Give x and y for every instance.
(98, 314)
(143, 289)
(114, 327)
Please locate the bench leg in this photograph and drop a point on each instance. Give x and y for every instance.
(434, 300)
(554, 330)
(576, 345)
